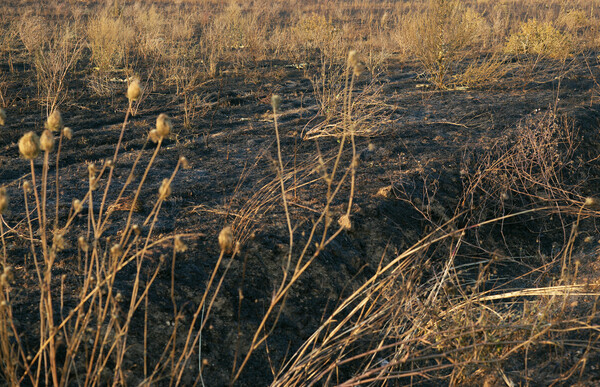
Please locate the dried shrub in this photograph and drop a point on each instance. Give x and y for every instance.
(443, 36)
(110, 40)
(53, 51)
(539, 39)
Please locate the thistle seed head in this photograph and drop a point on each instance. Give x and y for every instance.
(345, 223)
(591, 202)
(92, 170)
(116, 250)
(134, 90)
(275, 102)
(226, 240)
(47, 141)
(184, 162)
(165, 189)
(163, 125)
(83, 245)
(2, 117)
(68, 133)
(136, 229)
(3, 200)
(26, 186)
(77, 206)
(58, 241)
(54, 122)
(29, 145)
(153, 136)
(180, 245)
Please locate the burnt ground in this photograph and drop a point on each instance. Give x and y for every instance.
(423, 156)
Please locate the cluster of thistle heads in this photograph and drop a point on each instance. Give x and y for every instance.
(30, 145)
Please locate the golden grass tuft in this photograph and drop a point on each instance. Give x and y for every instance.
(539, 38)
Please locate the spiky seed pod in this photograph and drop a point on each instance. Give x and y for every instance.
(47, 141)
(92, 170)
(29, 145)
(226, 240)
(180, 245)
(77, 206)
(68, 133)
(136, 229)
(83, 245)
(165, 189)
(275, 102)
(163, 125)
(345, 223)
(55, 121)
(591, 202)
(3, 200)
(353, 58)
(58, 241)
(184, 162)
(153, 136)
(2, 117)
(116, 251)
(134, 90)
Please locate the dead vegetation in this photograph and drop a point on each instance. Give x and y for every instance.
(276, 256)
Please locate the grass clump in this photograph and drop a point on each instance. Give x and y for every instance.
(537, 38)
(110, 40)
(441, 38)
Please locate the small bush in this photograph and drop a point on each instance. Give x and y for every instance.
(541, 39)
(443, 36)
(109, 39)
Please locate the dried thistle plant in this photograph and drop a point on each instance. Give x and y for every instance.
(29, 145)
(54, 122)
(134, 90)
(226, 240)
(47, 141)
(163, 125)
(165, 189)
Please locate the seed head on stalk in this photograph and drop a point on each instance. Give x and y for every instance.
(54, 122)
(29, 145)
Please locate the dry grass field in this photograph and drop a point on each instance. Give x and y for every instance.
(300, 193)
